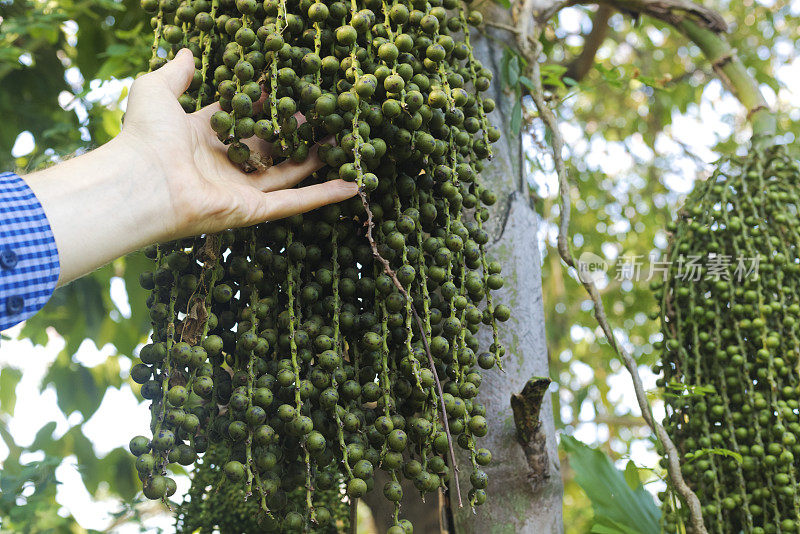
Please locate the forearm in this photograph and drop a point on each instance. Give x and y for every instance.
(101, 205)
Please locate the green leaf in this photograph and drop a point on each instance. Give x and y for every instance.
(75, 442)
(9, 378)
(611, 76)
(526, 82)
(580, 396)
(516, 117)
(118, 465)
(112, 123)
(686, 390)
(137, 297)
(81, 388)
(511, 66)
(44, 437)
(14, 450)
(504, 61)
(692, 456)
(551, 75)
(615, 503)
(609, 526)
(505, 3)
(632, 475)
(513, 70)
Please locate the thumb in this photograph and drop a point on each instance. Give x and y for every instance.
(177, 74)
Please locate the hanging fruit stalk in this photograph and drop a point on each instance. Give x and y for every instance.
(299, 356)
(715, 370)
(731, 349)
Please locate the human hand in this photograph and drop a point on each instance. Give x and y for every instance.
(164, 177)
(189, 165)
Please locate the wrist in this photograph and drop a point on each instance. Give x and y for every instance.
(102, 205)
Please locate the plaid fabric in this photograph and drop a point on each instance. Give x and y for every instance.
(29, 264)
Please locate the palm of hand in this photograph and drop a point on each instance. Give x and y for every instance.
(207, 192)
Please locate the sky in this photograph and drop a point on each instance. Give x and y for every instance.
(107, 430)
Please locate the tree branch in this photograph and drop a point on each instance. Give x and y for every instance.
(499, 25)
(550, 121)
(704, 27)
(580, 66)
(673, 12)
(670, 11)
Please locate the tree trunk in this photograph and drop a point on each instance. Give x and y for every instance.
(517, 503)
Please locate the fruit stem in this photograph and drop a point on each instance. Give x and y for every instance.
(388, 270)
(338, 345)
(250, 374)
(157, 34)
(206, 40)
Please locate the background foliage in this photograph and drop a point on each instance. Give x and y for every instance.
(641, 126)
(645, 122)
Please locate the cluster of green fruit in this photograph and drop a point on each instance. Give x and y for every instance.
(202, 510)
(730, 312)
(303, 360)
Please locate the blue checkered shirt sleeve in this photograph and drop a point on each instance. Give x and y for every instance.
(29, 264)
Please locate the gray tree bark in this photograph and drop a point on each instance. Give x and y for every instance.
(516, 503)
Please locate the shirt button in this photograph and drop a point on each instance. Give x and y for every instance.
(8, 259)
(14, 304)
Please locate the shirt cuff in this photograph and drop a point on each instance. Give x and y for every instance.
(29, 265)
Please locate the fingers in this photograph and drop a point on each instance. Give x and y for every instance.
(177, 74)
(288, 202)
(287, 173)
